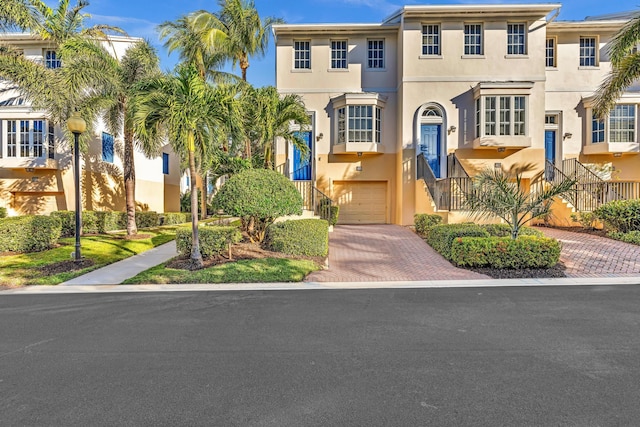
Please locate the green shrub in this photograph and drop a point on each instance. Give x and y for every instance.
(424, 222)
(328, 211)
(258, 196)
(67, 220)
(440, 237)
(630, 237)
(214, 240)
(3, 212)
(504, 230)
(170, 218)
(31, 233)
(586, 219)
(620, 215)
(299, 237)
(333, 216)
(147, 219)
(505, 252)
(110, 221)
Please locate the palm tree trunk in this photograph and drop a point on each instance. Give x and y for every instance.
(196, 257)
(130, 183)
(203, 202)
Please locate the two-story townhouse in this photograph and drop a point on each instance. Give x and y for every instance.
(36, 170)
(405, 111)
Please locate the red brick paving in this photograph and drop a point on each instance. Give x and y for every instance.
(374, 253)
(586, 255)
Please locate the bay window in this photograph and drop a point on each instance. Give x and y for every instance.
(503, 116)
(26, 138)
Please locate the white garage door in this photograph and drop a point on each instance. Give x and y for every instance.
(361, 202)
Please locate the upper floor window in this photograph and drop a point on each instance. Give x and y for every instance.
(473, 39)
(588, 51)
(338, 54)
(107, 147)
(550, 52)
(375, 54)
(25, 138)
(301, 55)
(503, 116)
(619, 127)
(165, 163)
(359, 123)
(431, 39)
(51, 59)
(516, 39)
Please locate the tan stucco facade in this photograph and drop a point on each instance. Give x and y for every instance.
(452, 93)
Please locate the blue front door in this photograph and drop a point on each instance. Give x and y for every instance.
(430, 146)
(550, 145)
(302, 164)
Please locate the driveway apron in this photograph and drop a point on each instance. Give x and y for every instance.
(360, 253)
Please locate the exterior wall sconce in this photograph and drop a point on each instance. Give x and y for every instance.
(29, 169)
(359, 153)
(320, 136)
(451, 129)
(567, 135)
(501, 149)
(617, 154)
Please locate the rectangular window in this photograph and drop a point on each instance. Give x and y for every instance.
(12, 139)
(473, 39)
(1, 138)
(622, 123)
(338, 54)
(431, 39)
(490, 115)
(360, 123)
(51, 59)
(301, 55)
(107, 147)
(378, 125)
(341, 126)
(375, 54)
(550, 52)
(24, 139)
(505, 115)
(478, 117)
(38, 138)
(165, 163)
(519, 115)
(516, 39)
(588, 52)
(52, 142)
(597, 130)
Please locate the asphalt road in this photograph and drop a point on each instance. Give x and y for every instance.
(444, 357)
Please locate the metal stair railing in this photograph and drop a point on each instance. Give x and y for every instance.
(446, 193)
(312, 198)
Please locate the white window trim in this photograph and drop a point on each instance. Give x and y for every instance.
(464, 43)
(525, 26)
(597, 52)
(46, 136)
(305, 69)
(439, 44)
(346, 55)
(555, 53)
(384, 55)
(512, 112)
(607, 127)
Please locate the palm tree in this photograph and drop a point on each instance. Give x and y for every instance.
(194, 115)
(500, 193)
(113, 84)
(236, 31)
(625, 67)
(15, 14)
(270, 116)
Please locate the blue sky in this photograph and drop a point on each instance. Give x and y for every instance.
(141, 17)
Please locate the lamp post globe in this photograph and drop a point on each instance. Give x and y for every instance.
(77, 126)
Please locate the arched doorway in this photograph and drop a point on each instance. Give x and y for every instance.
(431, 140)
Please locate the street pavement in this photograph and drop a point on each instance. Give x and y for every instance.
(551, 356)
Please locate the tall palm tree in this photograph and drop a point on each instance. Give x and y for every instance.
(236, 31)
(15, 14)
(193, 114)
(625, 67)
(112, 84)
(270, 116)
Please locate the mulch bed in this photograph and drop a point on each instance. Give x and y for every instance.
(594, 231)
(527, 273)
(64, 266)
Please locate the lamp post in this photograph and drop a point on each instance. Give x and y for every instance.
(77, 126)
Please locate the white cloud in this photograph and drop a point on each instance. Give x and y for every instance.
(135, 27)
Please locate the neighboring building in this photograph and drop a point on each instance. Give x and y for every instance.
(36, 171)
(405, 111)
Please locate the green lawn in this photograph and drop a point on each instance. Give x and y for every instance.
(26, 269)
(244, 271)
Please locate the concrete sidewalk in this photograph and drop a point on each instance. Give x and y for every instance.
(120, 271)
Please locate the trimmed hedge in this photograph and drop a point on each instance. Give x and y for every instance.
(505, 252)
(67, 220)
(147, 219)
(504, 230)
(110, 221)
(3, 212)
(333, 216)
(630, 237)
(31, 233)
(620, 215)
(441, 237)
(424, 222)
(100, 222)
(214, 239)
(299, 237)
(171, 218)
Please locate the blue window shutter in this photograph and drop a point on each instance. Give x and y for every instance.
(165, 163)
(107, 147)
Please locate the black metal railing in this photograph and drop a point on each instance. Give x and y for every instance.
(448, 194)
(312, 198)
(322, 204)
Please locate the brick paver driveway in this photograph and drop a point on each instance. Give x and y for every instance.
(586, 255)
(361, 253)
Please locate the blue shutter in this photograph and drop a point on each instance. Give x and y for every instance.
(165, 163)
(107, 147)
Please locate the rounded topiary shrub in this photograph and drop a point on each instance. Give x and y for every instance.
(258, 197)
(31, 233)
(424, 222)
(299, 237)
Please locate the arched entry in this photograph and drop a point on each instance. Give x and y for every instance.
(431, 139)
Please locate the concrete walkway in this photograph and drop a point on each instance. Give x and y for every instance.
(374, 253)
(120, 271)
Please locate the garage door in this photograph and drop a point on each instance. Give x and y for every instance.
(361, 202)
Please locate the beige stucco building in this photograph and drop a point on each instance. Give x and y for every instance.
(36, 171)
(405, 111)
